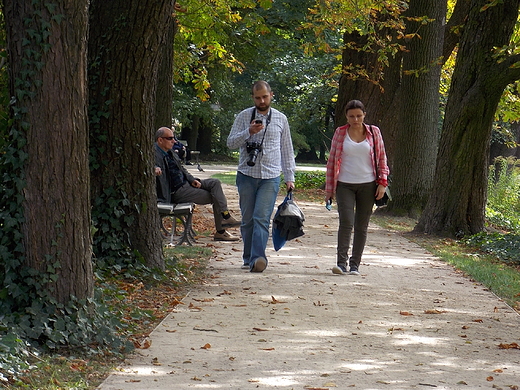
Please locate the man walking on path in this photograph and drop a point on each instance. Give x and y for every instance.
(262, 135)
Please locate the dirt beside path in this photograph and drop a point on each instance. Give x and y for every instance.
(409, 321)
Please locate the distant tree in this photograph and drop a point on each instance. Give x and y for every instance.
(485, 65)
(417, 130)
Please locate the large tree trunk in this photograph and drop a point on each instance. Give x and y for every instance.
(377, 93)
(124, 55)
(164, 96)
(47, 57)
(457, 204)
(418, 133)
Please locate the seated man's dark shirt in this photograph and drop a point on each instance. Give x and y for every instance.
(177, 178)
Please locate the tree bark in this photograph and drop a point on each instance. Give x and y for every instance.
(457, 204)
(164, 96)
(48, 74)
(377, 93)
(418, 134)
(124, 55)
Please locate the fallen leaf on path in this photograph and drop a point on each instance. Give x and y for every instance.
(405, 313)
(133, 381)
(267, 349)
(224, 293)
(206, 346)
(260, 329)
(316, 388)
(193, 307)
(275, 301)
(144, 345)
(171, 330)
(498, 370)
(478, 320)
(434, 311)
(195, 379)
(490, 379)
(204, 300)
(509, 346)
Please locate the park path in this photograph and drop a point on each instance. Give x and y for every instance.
(409, 321)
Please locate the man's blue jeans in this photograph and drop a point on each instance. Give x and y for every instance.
(257, 199)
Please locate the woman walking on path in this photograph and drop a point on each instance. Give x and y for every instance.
(357, 180)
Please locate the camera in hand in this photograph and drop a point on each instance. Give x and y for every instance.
(258, 122)
(253, 148)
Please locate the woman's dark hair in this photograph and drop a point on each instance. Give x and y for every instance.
(354, 104)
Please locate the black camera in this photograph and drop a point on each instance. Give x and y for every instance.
(253, 148)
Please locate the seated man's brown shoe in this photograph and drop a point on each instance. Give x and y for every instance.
(230, 222)
(226, 236)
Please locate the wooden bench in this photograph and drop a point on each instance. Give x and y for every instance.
(182, 212)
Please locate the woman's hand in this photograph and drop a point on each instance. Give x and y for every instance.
(380, 191)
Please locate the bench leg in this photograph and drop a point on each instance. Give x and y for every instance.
(188, 235)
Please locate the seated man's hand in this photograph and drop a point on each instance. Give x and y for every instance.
(196, 184)
(158, 171)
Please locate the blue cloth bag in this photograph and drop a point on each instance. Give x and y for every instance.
(287, 222)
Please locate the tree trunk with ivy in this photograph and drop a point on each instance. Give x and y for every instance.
(457, 204)
(124, 56)
(50, 176)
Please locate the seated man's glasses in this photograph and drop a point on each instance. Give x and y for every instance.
(168, 138)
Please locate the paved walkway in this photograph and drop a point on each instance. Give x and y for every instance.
(408, 322)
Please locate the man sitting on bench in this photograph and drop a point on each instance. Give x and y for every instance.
(176, 185)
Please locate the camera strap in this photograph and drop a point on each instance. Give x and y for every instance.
(267, 121)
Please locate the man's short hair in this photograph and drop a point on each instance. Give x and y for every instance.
(259, 85)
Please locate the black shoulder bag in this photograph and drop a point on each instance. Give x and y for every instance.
(384, 200)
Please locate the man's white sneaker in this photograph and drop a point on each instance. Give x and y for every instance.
(226, 236)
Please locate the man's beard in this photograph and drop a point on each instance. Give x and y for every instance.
(263, 108)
